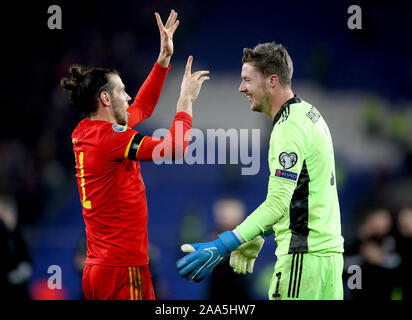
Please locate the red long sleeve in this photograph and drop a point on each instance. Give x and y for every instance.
(148, 95)
(174, 146)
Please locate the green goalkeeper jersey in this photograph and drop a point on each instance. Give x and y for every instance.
(302, 203)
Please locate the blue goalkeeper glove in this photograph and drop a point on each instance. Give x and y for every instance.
(204, 256)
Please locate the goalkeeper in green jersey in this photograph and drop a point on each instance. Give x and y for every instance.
(301, 206)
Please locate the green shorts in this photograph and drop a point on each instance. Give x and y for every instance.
(305, 276)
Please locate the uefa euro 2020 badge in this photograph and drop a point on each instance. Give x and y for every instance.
(119, 128)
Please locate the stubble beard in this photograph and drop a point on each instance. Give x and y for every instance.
(262, 104)
(119, 114)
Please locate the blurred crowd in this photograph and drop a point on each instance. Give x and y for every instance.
(382, 250)
(16, 265)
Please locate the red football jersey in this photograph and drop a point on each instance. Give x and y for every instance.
(111, 188)
(112, 194)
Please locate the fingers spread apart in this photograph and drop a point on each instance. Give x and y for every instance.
(171, 23)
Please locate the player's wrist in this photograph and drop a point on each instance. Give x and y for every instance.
(239, 236)
(229, 240)
(267, 233)
(164, 59)
(184, 104)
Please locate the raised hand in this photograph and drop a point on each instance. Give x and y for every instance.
(192, 82)
(166, 37)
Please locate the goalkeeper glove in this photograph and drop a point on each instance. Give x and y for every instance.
(243, 258)
(204, 257)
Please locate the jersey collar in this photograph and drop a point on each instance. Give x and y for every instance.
(285, 106)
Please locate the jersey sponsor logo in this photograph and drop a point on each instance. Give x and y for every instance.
(119, 128)
(286, 174)
(288, 160)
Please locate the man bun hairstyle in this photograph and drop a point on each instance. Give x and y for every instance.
(270, 58)
(85, 86)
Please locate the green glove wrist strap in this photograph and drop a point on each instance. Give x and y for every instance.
(267, 233)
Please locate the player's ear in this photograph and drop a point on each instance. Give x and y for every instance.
(272, 80)
(105, 98)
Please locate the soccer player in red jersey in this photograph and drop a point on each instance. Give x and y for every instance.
(107, 153)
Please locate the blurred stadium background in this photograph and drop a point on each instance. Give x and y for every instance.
(360, 80)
